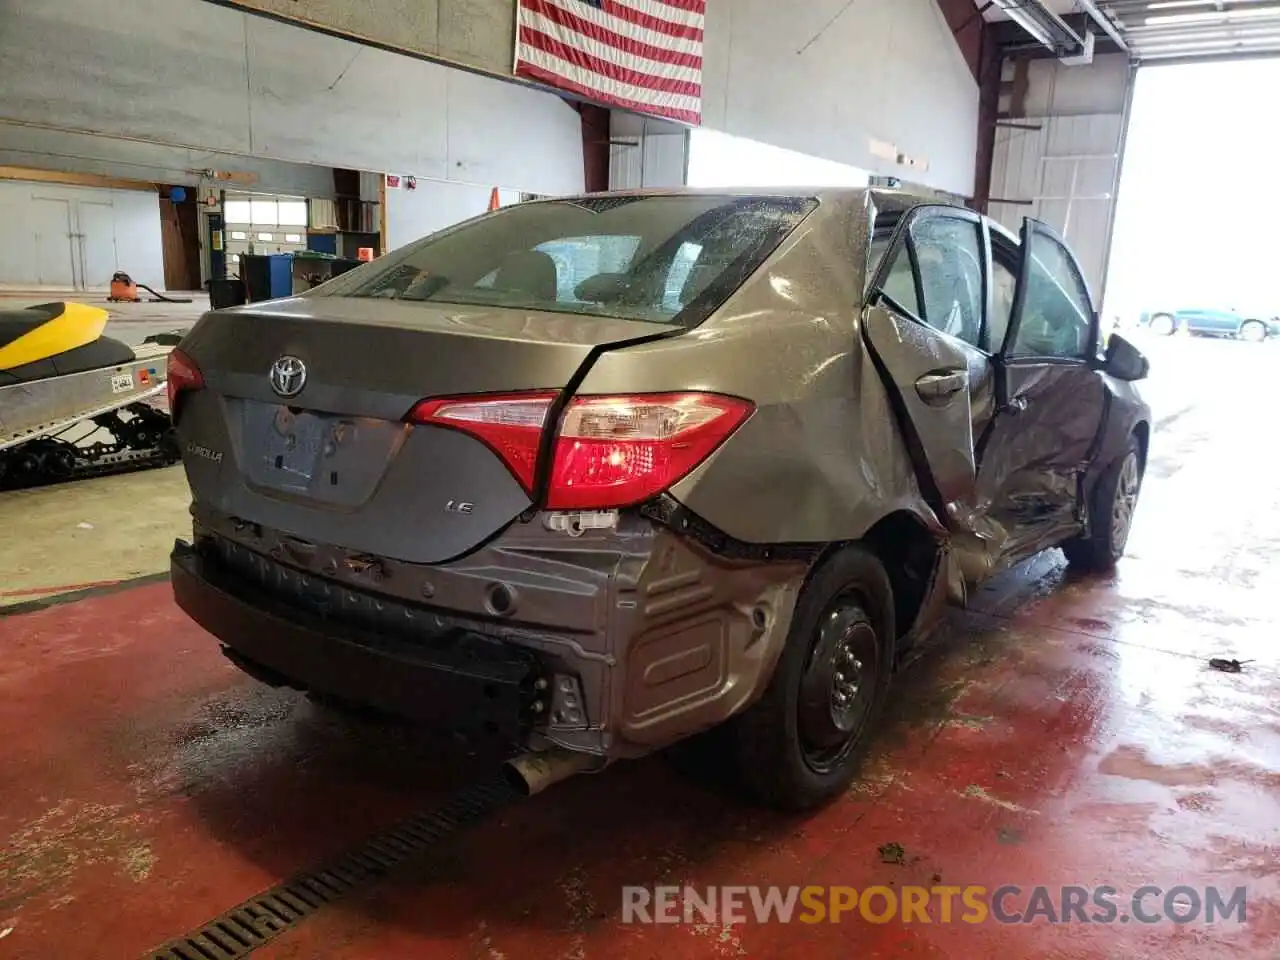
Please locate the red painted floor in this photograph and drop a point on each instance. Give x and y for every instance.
(1062, 733)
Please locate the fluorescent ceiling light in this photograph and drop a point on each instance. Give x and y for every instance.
(1212, 16)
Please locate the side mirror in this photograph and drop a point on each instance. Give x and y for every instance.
(1124, 361)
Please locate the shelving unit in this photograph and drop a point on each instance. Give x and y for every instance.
(346, 223)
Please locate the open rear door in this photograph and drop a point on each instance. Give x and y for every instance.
(928, 282)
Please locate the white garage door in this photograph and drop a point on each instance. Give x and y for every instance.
(75, 238)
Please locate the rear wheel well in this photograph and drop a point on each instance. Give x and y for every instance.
(909, 553)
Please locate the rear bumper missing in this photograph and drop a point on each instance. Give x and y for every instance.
(614, 642)
(458, 681)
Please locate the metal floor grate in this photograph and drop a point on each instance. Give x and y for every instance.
(260, 919)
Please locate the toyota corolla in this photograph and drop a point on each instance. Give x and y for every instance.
(598, 474)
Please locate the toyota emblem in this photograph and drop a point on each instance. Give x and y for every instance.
(288, 376)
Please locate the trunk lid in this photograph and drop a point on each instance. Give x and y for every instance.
(336, 463)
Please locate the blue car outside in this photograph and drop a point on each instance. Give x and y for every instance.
(1213, 323)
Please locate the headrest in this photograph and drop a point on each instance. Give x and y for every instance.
(532, 272)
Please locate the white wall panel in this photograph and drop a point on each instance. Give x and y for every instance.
(431, 206)
(194, 74)
(35, 250)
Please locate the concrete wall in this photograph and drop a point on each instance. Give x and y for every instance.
(825, 77)
(478, 34)
(44, 149)
(829, 78)
(193, 74)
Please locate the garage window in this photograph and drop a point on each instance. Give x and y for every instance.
(292, 213)
(237, 211)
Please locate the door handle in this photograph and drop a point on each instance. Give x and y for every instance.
(1015, 405)
(939, 387)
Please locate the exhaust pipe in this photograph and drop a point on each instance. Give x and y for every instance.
(535, 771)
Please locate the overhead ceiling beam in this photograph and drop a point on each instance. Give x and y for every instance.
(1103, 22)
(1014, 41)
(1043, 26)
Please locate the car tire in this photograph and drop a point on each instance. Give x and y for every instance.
(1254, 331)
(1115, 497)
(1164, 325)
(801, 744)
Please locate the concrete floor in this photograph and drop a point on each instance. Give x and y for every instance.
(130, 322)
(1062, 732)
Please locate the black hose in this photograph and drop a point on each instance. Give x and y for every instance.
(161, 298)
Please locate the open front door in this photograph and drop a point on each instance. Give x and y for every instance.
(922, 325)
(1051, 404)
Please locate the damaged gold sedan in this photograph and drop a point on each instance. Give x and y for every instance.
(598, 474)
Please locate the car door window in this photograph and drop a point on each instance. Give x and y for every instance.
(1057, 317)
(900, 282)
(949, 255)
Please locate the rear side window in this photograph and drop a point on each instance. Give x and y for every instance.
(943, 287)
(665, 259)
(900, 282)
(949, 254)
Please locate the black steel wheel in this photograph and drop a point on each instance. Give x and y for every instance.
(838, 681)
(801, 743)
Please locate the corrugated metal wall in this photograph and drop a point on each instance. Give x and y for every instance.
(644, 152)
(1064, 173)
(1058, 158)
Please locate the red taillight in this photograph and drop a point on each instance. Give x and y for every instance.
(511, 424)
(610, 451)
(619, 451)
(182, 375)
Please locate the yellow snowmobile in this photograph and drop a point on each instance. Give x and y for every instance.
(74, 402)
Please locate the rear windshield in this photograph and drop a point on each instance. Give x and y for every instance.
(665, 259)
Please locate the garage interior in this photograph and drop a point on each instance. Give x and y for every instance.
(1061, 730)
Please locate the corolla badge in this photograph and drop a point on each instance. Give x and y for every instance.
(288, 376)
(204, 453)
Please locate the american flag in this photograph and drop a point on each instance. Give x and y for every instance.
(641, 55)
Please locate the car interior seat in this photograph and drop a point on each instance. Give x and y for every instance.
(530, 272)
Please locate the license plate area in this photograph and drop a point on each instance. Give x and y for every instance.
(320, 456)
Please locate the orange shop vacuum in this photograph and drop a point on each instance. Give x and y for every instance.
(125, 290)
